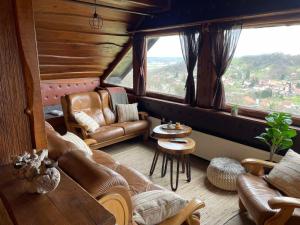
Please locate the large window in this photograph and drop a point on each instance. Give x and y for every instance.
(166, 69)
(265, 71)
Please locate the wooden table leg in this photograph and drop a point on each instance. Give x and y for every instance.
(155, 158)
(177, 173)
(188, 168)
(164, 165)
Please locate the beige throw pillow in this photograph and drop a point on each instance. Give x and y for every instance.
(153, 207)
(80, 144)
(285, 175)
(86, 121)
(127, 112)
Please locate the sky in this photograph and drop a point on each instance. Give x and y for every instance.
(255, 41)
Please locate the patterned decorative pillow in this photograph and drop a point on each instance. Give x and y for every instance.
(127, 112)
(80, 144)
(86, 121)
(153, 207)
(285, 175)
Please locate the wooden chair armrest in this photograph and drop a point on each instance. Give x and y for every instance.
(286, 205)
(118, 202)
(90, 141)
(83, 131)
(143, 115)
(185, 214)
(256, 166)
(284, 202)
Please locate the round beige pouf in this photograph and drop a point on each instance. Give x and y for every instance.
(223, 172)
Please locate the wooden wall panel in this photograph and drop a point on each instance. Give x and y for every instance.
(15, 135)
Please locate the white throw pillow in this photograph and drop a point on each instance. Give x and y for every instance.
(285, 175)
(127, 112)
(80, 144)
(153, 207)
(86, 121)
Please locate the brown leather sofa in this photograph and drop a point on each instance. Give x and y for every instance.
(109, 182)
(97, 105)
(265, 204)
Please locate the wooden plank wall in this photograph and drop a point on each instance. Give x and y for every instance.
(69, 48)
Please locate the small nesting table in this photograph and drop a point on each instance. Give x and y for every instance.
(171, 151)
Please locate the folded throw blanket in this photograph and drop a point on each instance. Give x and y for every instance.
(118, 95)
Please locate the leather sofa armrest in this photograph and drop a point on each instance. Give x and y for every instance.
(186, 214)
(256, 166)
(90, 141)
(143, 115)
(284, 202)
(74, 126)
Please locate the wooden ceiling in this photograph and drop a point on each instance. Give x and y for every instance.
(69, 48)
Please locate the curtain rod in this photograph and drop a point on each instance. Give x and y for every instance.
(111, 7)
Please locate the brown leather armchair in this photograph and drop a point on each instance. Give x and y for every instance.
(103, 177)
(96, 105)
(265, 204)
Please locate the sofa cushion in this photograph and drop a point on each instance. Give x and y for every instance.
(153, 207)
(285, 175)
(104, 159)
(133, 127)
(86, 121)
(88, 102)
(107, 133)
(93, 177)
(109, 115)
(80, 144)
(127, 112)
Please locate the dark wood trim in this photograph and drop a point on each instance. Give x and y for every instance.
(29, 56)
(257, 114)
(166, 97)
(116, 61)
(246, 19)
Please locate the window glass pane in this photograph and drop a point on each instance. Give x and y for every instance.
(166, 69)
(265, 71)
(122, 75)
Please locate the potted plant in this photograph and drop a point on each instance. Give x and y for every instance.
(278, 135)
(234, 110)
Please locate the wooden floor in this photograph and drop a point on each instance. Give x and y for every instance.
(221, 206)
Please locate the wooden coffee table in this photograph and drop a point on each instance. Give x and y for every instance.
(179, 151)
(159, 132)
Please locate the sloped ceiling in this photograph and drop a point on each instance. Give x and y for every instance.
(69, 48)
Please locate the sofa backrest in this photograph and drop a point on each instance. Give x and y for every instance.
(109, 116)
(88, 102)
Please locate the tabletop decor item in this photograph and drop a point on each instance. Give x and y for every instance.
(38, 171)
(278, 135)
(235, 110)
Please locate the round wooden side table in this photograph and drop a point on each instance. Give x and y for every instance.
(160, 132)
(174, 150)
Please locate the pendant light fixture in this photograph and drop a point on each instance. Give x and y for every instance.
(96, 21)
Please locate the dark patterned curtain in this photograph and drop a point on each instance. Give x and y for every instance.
(139, 51)
(190, 40)
(223, 42)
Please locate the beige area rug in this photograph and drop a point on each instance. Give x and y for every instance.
(221, 206)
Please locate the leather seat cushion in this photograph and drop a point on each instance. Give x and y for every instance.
(104, 159)
(133, 127)
(107, 133)
(255, 192)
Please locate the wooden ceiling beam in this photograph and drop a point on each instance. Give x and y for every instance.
(59, 60)
(68, 75)
(75, 37)
(135, 12)
(45, 69)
